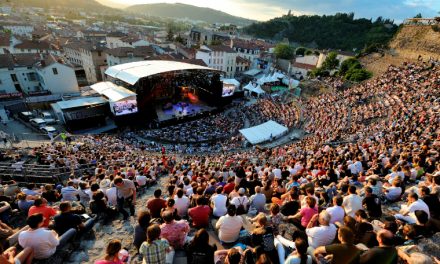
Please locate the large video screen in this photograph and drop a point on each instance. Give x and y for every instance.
(228, 89)
(125, 107)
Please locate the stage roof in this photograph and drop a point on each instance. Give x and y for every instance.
(82, 102)
(263, 132)
(112, 91)
(133, 71)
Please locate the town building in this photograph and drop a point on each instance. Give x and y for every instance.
(219, 57)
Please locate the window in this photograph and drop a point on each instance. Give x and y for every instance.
(32, 76)
(14, 77)
(55, 71)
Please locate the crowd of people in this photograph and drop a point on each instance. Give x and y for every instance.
(311, 201)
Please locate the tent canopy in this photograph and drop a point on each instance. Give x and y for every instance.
(232, 81)
(112, 91)
(263, 132)
(82, 102)
(133, 71)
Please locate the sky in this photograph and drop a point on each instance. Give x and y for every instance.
(267, 9)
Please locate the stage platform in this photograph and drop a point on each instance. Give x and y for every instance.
(177, 111)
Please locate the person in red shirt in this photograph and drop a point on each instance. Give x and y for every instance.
(229, 187)
(200, 214)
(156, 204)
(40, 206)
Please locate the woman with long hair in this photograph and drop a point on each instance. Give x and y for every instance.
(299, 256)
(111, 253)
(199, 250)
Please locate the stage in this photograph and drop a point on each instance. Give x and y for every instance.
(181, 109)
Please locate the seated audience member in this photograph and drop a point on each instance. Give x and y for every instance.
(305, 214)
(263, 236)
(241, 202)
(218, 202)
(299, 256)
(42, 241)
(40, 206)
(99, 207)
(50, 194)
(372, 203)
(156, 204)
(321, 235)
(156, 250)
(336, 212)
(384, 252)
(182, 203)
(345, 252)
(174, 231)
(257, 201)
(69, 193)
(431, 200)
(199, 250)
(5, 232)
(140, 231)
(200, 214)
(23, 203)
(5, 212)
(229, 226)
(111, 253)
(352, 202)
(67, 220)
(426, 226)
(407, 212)
(10, 256)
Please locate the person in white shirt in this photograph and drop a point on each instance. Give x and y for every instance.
(241, 199)
(141, 180)
(352, 202)
(407, 212)
(182, 203)
(229, 226)
(336, 212)
(277, 172)
(321, 235)
(44, 242)
(111, 195)
(218, 202)
(394, 192)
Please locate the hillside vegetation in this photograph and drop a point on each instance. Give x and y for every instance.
(187, 11)
(340, 31)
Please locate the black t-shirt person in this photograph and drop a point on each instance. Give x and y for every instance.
(385, 255)
(65, 221)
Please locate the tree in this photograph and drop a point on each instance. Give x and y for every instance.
(180, 39)
(357, 75)
(330, 62)
(419, 15)
(170, 35)
(284, 51)
(349, 64)
(300, 51)
(318, 72)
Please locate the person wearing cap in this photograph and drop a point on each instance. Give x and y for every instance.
(241, 200)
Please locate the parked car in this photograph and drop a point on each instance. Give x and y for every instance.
(46, 116)
(50, 130)
(26, 116)
(38, 122)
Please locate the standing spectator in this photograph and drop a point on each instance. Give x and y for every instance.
(156, 204)
(44, 242)
(174, 231)
(126, 193)
(352, 202)
(40, 206)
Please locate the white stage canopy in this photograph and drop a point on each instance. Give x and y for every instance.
(263, 132)
(231, 81)
(133, 71)
(82, 102)
(112, 91)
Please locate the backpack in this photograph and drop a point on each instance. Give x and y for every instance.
(241, 209)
